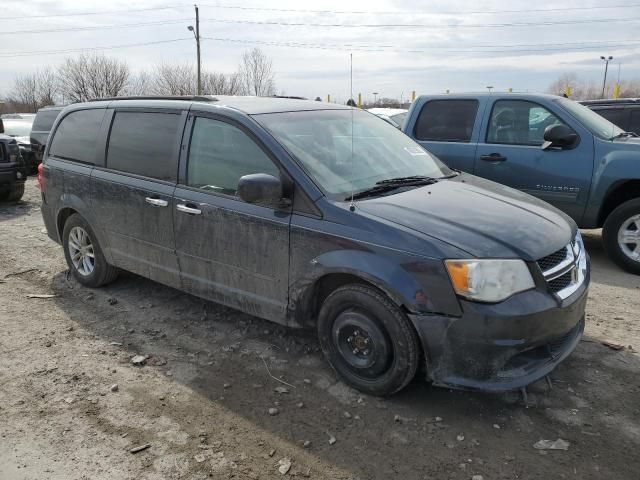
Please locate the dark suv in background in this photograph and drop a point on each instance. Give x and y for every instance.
(319, 215)
(13, 171)
(624, 112)
(40, 129)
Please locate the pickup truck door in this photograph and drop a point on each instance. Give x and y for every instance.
(448, 128)
(509, 152)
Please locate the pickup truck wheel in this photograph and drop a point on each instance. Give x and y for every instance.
(621, 236)
(84, 255)
(13, 193)
(368, 340)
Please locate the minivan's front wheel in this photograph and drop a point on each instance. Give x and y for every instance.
(368, 340)
(621, 236)
(84, 255)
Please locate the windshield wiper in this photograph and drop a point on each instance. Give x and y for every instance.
(391, 184)
(624, 134)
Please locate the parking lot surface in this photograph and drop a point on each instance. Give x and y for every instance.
(227, 395)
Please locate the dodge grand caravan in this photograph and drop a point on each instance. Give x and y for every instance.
(316, 215)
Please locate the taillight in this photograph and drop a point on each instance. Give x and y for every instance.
(41, 176)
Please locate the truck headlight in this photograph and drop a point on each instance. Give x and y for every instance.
(489, 280)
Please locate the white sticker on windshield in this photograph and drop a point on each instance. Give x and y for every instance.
(415, 151)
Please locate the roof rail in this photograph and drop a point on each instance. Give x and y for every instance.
(194, 98)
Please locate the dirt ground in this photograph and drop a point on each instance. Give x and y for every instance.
(205, 413)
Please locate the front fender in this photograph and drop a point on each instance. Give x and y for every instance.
(418, 284)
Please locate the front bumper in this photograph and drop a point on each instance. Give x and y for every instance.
(504, 346)
(12, 172)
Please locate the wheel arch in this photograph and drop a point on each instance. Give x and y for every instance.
(618, 193)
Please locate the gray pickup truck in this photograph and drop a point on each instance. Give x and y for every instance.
(550, 147)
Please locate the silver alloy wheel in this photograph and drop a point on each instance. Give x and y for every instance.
(81, 251)
(629, 238)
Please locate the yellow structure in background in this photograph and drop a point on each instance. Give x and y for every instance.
(413, 96)
(328, 98)
(359, 100)
(510, 90)
(567, 91)
(616, 91)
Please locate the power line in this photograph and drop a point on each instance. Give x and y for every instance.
(295, 10)
(396, 12)
(96, 27)
(106, 12)
(73, 50)
(422, 25)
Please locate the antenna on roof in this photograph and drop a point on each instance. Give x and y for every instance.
(352, 206)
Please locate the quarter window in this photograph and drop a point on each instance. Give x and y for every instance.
(519, 122)
(220, 154)
(144, 143)
(447, 120)
(77, 136)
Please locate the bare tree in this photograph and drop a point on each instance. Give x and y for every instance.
(33, 90)
(580, 90)
(140, 84)
(174, 80)
(221, 83)
(92, 76)
(256, 72)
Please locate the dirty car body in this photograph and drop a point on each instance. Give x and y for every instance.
(301, 225)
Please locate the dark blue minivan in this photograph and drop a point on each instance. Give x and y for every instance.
(318, 215)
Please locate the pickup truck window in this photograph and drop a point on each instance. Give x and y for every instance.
(446, 120)
(519, 122)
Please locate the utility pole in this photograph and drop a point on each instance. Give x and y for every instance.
(606, 67)
(196, 34)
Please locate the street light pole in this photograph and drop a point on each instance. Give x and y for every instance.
(196, 34)
(375, 98)
(606, 67)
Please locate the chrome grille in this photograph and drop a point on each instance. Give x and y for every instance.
(564, 270)
(550, 261)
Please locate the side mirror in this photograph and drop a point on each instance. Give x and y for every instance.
(558, 136)
(260, 188)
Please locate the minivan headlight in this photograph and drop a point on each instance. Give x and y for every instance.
(489, 280)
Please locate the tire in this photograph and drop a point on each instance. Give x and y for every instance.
(100, 272)
(368, 340)
(625, 218)
(13, 193)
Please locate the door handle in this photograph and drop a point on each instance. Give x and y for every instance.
(181, 207)
(156, 202)
(494, 157)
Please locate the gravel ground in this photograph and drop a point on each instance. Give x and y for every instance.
(202, 401)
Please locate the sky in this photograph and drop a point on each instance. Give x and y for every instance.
(398, 46)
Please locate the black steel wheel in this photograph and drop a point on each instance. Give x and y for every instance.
(368, 340)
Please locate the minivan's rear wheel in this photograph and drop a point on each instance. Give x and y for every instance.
(621, 236)
(84, 255)
(368, 340)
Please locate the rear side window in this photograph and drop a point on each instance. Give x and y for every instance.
(634, 124)
(617, 116)
(220, 154)
(144, 143)
(44, 120)
(77, 135)
(447, 120)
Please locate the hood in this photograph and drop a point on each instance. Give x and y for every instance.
(483, 218)
(23, 140)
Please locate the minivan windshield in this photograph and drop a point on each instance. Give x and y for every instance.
(596, 124)
(342, 163)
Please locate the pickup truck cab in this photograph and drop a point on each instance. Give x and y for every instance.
(550, 147)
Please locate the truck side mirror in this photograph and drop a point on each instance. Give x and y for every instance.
(558, 136)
